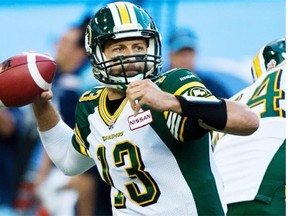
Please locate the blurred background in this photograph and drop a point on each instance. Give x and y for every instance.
(230, 32)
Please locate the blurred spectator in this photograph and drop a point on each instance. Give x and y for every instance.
(90, 192)
(183, 47)
(13, 156)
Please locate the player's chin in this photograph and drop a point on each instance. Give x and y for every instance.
(131, 73)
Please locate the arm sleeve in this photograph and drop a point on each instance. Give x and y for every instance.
(211, 111)
(57, 143)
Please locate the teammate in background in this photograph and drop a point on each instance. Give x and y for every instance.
(91, 193)
(253, 167)
(183, 52)
(148, 134)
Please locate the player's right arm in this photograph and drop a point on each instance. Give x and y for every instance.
(45, 113)
(56, 138)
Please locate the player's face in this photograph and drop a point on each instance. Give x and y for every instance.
(125, 47)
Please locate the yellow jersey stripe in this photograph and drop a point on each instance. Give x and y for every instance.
(181, 138)
(80, 141)
(186, 86)
(103, 111)
(106, 117)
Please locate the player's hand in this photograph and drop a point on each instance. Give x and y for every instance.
(45, 96)
(145, 92)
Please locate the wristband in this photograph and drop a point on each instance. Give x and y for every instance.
(212, 112)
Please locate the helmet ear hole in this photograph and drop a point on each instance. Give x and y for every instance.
(106, 25)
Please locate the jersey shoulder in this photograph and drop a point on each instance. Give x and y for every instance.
(180, 75)
(89, 100)
(91, 95)
(179, 81)
(85, 106)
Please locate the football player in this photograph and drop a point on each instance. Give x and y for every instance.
(148, 133)
(253, 167)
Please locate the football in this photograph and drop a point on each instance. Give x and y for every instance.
(24, 77)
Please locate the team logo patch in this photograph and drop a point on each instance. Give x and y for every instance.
(141, 120)
(199, 91)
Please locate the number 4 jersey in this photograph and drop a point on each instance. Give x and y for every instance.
(156, 163)
(253, 167)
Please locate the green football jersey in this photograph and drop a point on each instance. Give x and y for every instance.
(157, 163)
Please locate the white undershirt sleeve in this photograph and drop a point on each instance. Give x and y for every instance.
(57, 143)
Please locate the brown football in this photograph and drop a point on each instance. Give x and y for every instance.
(24, 77)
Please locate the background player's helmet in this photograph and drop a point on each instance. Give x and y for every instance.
(270, 56)
(122, 20)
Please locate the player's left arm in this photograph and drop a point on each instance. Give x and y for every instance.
(213, 114)
(220, 114)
